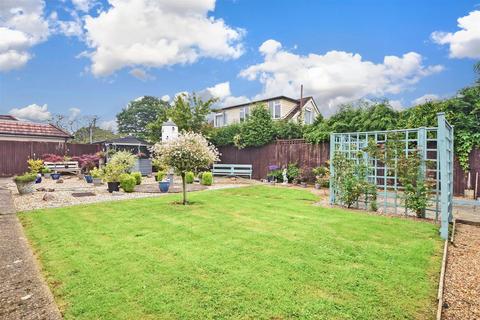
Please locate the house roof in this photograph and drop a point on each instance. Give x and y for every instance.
(260, 101)
(9, 126)
(7, 117)
(297, 107)
(126, 140)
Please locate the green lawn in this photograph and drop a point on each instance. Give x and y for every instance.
(246, 253)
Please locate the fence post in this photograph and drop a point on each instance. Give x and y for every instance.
(332, 172)
(444, 176)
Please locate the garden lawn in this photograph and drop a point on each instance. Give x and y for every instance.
(244, 253)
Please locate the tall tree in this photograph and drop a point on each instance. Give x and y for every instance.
(189, 112)
(134, 118)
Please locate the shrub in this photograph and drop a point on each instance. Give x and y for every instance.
(288, 130)
(50, 157)
(87, 161)
(293, 172)
(112, 172)
(45, 170)
(189, 177)
(207, 178)
(127, 182)
(161, 175)
(96, 173)
(138, 177)
(26, 177)
(35, 166)
(224, 136)
(258, 130)
(123, 159)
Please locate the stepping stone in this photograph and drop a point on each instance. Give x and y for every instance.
(83, 194)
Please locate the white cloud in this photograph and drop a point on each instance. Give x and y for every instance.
(335, 77)
(22, 25)
(33, 112)
(83, 5)
(165, 98)
(220, 90)
(425, 98)
(74, 113)
(396, 104)
(109, 125)
(464, 43)
(141, 74)
(157, 34)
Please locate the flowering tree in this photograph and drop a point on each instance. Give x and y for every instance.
(189, 152)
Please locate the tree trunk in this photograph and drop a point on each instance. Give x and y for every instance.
(184, 186)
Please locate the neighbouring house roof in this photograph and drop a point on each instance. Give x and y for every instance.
(297, 108)
(128, 140)
(7, 117)
(14, 127)
(260, 101)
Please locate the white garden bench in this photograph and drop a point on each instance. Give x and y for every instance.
(232, 170)
(65, 166)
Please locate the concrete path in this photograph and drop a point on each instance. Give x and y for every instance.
(23, 292)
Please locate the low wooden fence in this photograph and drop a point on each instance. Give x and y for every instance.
(14, 154)
(308, 156)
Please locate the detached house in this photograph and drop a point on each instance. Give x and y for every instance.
(281, 108)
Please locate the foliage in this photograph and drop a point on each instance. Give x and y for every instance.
(206, 179)
(139, 113)
(127, 182)
(288, 129)
(138, 177)
(112, 172)
(35, 166)
(189, 112)
(265, 244)
(96, 173)
(123, 159)
(25, 178)
(257, 131)
(224, 136)
(50, 157)
(293, 171)
(322, 175)
(82, 135)
(350, 181)
(189, 177)
(161, 174)
(189, 152)
(45, 170)
(87, 161)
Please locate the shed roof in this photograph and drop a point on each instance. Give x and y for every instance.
(128, 140)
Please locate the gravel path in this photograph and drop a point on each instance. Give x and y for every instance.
(462, 281)
(23, 293)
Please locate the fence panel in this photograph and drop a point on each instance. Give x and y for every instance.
(14, 154)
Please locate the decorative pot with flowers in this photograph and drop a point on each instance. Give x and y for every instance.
(274, 173)
(96, 175)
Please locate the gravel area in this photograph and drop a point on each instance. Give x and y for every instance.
(62, 194)
(462, 278)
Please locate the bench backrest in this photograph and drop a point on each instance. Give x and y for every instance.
(62, 165)
(232, 169)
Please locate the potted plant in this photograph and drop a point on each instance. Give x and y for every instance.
(164, 186)
(111, 175)
(55, 175)
(322, 176)
(25, 182)
(272, 174)
(160, 175)
(96, 175)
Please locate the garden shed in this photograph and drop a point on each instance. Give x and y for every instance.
(136, 146)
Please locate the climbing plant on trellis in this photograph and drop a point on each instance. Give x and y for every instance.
(407, 171)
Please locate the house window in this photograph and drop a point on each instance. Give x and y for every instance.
(275, 109)
(244, 113)
(308, 116)
(218, 120)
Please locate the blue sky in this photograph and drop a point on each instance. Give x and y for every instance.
(81, 54)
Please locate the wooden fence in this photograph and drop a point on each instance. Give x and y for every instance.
(308, 156)
(14, 154)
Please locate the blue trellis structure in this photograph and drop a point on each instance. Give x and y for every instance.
(435, 147)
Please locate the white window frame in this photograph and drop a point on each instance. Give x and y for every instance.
(244, 113)
(310, 121)
(216, 122)
(275, 114)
